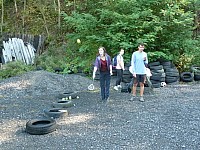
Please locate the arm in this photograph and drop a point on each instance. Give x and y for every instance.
(95, 68)
(133, 65)
(110, 66)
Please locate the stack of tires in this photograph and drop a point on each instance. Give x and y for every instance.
(171, 72)
(163, 72)
(158, 74)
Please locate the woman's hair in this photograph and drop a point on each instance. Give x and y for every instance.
(104, 50)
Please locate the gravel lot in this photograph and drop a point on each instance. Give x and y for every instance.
(169, 119)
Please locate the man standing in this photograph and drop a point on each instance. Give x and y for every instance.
(120, 69)
(138, 62)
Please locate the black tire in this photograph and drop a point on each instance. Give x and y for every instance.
(56, 112)
(187, 77)
(41, 126)
(172, 74)
(154, 81)
(156, 77)
(63, 104)
(156, 63)
(67, 94)
(156, 85)
(166, 63)
(169, 79)
(196, 77)
(160, 67)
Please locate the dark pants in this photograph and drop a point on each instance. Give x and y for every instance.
(105, 84)
(119, 76)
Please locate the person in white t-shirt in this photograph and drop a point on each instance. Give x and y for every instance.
(120, 69)
(138, 62)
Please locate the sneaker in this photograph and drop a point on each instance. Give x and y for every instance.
(141, 99)
(109, 101)
(133, 97)
(116, 88)
(119, 86)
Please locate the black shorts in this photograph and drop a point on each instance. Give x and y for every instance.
(139, 78)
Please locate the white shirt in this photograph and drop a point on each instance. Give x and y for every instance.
(120, 60)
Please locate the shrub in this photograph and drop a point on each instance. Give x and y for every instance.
(14, 68)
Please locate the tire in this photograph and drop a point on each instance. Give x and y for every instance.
(195, 69)
(56, 112)
(166, 63)
(172, 74)
(67, 94)
(169, 79)
(63, 104)
(187, 77)
(160, 67)
(156, 77)
(196, 77)
(41, 126)
(156, 63)
(156, 85)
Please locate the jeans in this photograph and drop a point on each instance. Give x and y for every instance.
(105, 84)
(119, 76)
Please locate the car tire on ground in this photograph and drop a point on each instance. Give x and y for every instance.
(41, 126)
(56, 112)
(63, 104)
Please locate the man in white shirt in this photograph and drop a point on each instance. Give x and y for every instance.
(138, 62)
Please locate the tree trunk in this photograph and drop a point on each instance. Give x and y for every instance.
(2, 13)
(59, 14)
(16, 16)
(23, 18)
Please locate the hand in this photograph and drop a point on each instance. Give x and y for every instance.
(93, 76)
(134, 75)
(111, 73)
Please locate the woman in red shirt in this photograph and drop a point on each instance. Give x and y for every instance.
(104, 65)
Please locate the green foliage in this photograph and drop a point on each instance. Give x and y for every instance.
(158, 55)
(164, 25)
(14, 68)
(125, 24)
(185, 62)
(53, 58)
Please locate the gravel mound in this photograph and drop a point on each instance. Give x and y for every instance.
(168, 119)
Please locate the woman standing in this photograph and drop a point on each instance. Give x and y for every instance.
(104, 65)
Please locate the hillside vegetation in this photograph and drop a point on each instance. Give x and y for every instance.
(169, 29)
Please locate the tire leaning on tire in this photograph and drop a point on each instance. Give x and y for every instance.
(41, 126)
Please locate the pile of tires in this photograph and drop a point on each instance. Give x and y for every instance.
(196, 72)
(163, 72)
(158, 74)
(171, 72)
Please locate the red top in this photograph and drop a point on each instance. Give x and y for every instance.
(103, 65)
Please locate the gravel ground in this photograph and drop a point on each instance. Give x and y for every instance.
(168, 120)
